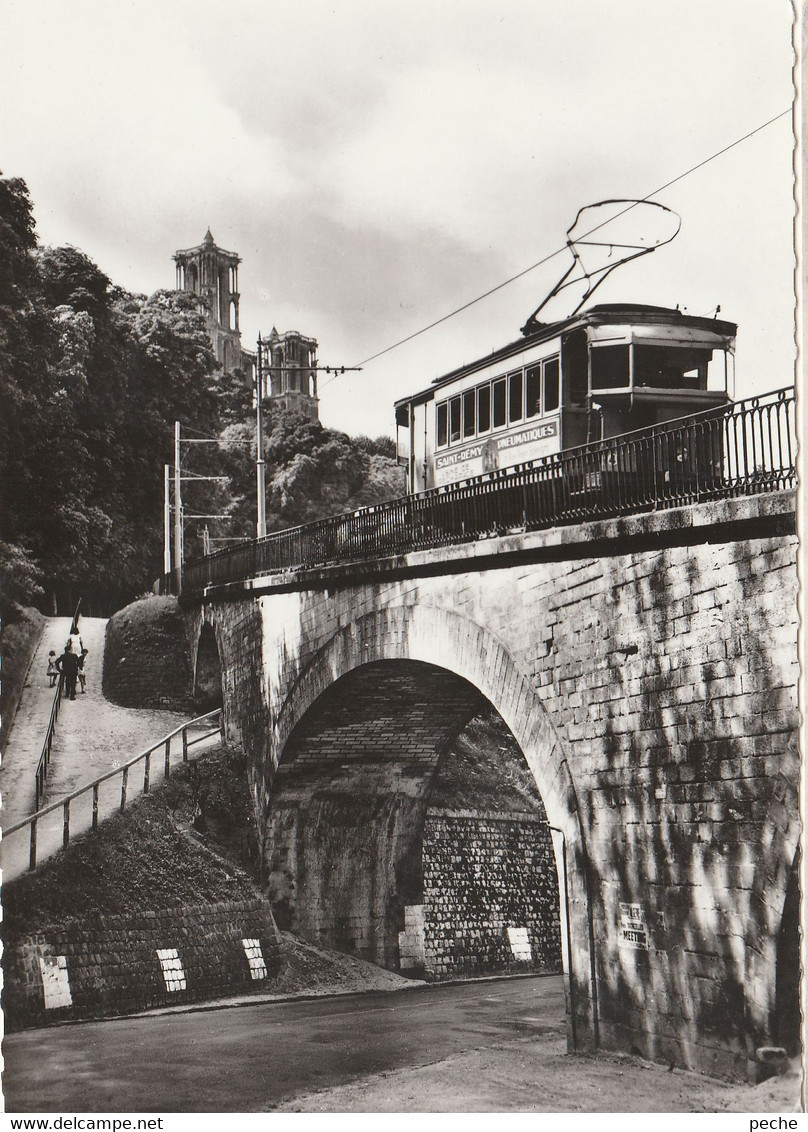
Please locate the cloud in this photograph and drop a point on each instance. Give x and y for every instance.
(378, 164)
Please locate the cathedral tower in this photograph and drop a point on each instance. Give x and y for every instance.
(288, 360)
(211, 273)
(289, 372)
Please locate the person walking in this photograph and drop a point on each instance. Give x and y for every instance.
(68, 666)
(74, 640)
(82, 674)
(53, 671)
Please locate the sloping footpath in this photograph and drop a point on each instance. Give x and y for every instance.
(23, 747)
(92, 735)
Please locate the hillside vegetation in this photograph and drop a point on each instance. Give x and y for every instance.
(19, 637)
(92, 379)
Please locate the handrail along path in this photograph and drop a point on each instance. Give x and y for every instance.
(34, 821)
(45, 758)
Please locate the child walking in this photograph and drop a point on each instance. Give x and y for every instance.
(82, 674)
(53, 671)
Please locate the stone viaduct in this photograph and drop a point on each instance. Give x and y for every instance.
(647, 668)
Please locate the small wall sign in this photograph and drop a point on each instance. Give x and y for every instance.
(633, 926)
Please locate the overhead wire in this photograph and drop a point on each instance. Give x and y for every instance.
(563, 248)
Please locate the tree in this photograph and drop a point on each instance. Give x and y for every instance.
(312, 472)
(91, 380)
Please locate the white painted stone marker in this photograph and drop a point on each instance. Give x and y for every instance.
(411, 945)
(173, 972)
(55, 981)
(255, 958)
(520, 944)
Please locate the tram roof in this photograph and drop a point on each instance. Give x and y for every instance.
(599, 315)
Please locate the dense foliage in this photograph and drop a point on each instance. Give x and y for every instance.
(311, 471)
(92, 379)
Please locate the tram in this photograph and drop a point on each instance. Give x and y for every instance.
(603, 372)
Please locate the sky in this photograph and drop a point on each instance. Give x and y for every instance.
(379, 164)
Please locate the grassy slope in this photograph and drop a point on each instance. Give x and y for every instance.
(484, 769)
(19, 638)
(147, 858)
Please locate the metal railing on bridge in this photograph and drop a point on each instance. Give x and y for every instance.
(746, 448)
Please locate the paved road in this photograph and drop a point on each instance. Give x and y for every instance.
(253, 1058)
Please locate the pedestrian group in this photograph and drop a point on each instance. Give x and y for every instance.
(70, 665)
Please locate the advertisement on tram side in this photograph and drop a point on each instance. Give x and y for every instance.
(487, 454)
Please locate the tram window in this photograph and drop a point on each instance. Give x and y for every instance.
(454, 420)
(670, 367)
(717, 375)
(551, 385)
(576, 368)
(609, 366)
(443, 424)
(515, 397)
(532, 392)
(483, 408)
(499, 403)
(468, 413)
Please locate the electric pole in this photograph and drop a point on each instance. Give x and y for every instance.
(178, 555)
(166, 518)
(261, 522)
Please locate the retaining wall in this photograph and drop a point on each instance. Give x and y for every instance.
(119, 964)
(483, 875)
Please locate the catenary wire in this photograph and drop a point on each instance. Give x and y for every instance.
(558, 251)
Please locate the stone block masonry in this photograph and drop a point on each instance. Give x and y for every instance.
(119, 964)
(647, 667)
(483, 875)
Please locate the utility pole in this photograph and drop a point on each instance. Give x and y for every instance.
(178, 548)
(166, 518)
(261, 522)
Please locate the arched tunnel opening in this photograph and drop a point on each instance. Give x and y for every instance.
(406, 828)
(208, 692)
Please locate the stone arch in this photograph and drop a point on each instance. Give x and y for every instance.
(208, 677)
(453, 643)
